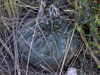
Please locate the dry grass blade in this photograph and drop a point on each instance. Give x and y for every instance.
(3, 20)
(30, 52)
(78, 52)
(16, 54)
(40, 14)
(7, 49)
(6, 62)
(27, 6)
(2, 68)
(67, 49)
(8, 9)
(12, 8)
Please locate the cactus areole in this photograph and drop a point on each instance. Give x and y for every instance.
(47, 43)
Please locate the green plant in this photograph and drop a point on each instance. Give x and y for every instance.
(89, 15)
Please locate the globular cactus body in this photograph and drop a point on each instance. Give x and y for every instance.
(49, 46)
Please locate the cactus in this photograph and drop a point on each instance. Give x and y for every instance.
(50, 45)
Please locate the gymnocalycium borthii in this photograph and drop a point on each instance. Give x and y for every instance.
(48, 41)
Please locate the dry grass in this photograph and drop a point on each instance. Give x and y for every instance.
(14, 13)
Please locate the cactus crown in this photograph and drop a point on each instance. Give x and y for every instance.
(55, 22)
(54, 11)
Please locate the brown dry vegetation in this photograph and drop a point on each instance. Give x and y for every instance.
(85, 17)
